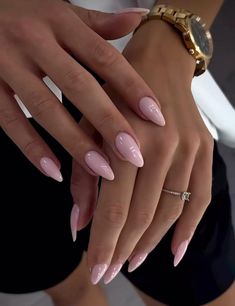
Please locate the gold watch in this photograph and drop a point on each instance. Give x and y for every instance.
(197, 39)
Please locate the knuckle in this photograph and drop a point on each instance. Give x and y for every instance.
(8, 118)
(203, 199)
(76, 80)
(143, 219)
(40, 103)
(105, 54)
(168, 143)
(31, 147)
(170, 216)
(114, 215)
(106, 121)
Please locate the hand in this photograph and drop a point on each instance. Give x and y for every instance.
(133, 214)
(36, 37)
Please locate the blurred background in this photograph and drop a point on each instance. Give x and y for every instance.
(222, 67)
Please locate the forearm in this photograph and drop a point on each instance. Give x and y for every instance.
(206, 9)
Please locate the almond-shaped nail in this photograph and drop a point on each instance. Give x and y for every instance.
(98, 272)
(180, 252)
(129, 149)
(111, 273)
(50, 168)
(151, 110)
(139, 10)
(136, 261)
(74, 221)
(99, 165)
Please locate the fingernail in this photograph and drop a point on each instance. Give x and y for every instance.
(111, 273)
(136, 261)
(51, 169)
(139, 10)
(151, 110)
(74, 221)
(97, 273)
(127, 146)
(180, 252)
(99, 165)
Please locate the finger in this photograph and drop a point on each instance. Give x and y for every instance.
(18, 128)
(88, 96)
(51, 114)
(109, 218)
(168, 209)
(84, 188)
(110, 25)
(102, 58)
(200, 187)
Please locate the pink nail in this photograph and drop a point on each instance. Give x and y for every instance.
(136, 261)
(111, 273)
(180, 252)
(74, 221)
(97, 273)
(50, 168)
(138, 10)
(99, 165)
(151, 110)
(127, 146)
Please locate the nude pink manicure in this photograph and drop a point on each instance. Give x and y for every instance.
(151, 110)
(127, 146)
(97, 273)
(111, 273)
(139, 10)
(136, 261)
(74, 221)
(180, 252)
(50, 168)
(99, 165)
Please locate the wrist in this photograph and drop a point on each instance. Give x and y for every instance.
(157, 45)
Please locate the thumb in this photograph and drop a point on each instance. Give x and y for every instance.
(111, 25)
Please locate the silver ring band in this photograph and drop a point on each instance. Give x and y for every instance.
(184, 195)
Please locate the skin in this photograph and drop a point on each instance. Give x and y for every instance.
(27, 51)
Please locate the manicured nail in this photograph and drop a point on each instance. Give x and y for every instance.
(127, 146)
(111, 273)
(74, 221)
(151, 110)
(139, 10)
(51, 169)
(99, 165)
(97, 273)
(180, 252)
(136, 261)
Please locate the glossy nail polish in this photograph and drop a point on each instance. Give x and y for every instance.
(50, 168)
(140, 10)
(136, 261)
(180, 252)
(151, 110)
(111, 273)
(97, 273)
(129, 149)
(74, 221)
(99, 165)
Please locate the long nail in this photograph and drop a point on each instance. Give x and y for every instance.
(151, 110)
(180, 252)
(127, 146)
(74, 221)
(136, 261)
(50, 168)
(97, 273)
(139, 10)
(111, 273)
(99, 165)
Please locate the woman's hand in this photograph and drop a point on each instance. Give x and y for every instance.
(41, 38)
(133, 214)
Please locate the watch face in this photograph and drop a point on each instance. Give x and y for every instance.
(201, 36)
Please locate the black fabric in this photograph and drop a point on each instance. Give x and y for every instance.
(37, 249)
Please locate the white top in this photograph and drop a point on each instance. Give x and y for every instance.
(215, 109)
